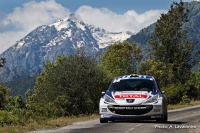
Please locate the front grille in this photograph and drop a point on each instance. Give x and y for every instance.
(130, 110)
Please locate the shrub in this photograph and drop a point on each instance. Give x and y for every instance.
(72, 84)
(8, 118)
(193, 92)
(182, 93)
(193, 85)
(174, 93)
(185, 100)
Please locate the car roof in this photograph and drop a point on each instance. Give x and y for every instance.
(133, 76)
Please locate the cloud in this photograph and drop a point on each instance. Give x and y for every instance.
(16, 25)
(23, 20)
(129, 21)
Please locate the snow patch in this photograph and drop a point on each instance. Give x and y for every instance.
(96, 48)
(62, 25)
(52, 43)
(65, 23)
(80, 25)
(20, 44)
(68, 33)
(42, 28)
(80, 44)
(105, 39)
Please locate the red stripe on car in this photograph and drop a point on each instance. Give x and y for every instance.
(131, 96)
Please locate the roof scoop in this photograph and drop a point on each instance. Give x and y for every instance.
(134, 75)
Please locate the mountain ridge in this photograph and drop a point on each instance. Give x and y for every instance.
(63, 37)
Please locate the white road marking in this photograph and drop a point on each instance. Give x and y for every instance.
(133, 128)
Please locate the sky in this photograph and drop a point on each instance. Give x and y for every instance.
(20, 17)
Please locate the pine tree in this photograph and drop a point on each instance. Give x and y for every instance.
(2, 62)
(170, 45)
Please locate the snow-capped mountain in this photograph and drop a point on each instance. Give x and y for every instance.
(105, 38)
(63, 37)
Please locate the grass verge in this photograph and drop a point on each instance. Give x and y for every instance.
(63, 121)
(178, 106)
(50, 123)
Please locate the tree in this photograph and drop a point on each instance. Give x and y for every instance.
(161, 71)
(4, 95)
(169, 43)
(74, 83)
(4, 92)
(2, 62)
(121, 59)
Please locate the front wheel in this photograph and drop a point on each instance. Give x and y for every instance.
(103, 121)
(163, 119)
(113, 120)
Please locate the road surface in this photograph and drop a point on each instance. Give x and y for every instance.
(185, 120)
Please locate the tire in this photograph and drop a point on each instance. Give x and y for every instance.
(163, 119)
(166, 118)
(165, 115)
(103, 121)
(113, 120)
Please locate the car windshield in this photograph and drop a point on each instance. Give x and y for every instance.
(133, 85)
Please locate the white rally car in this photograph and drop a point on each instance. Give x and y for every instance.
(133, 97)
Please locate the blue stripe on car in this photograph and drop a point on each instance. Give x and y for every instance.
(154, 93)
(109, 94)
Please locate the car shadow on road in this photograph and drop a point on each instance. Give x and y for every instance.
(150, 121)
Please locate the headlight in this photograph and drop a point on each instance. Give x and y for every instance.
(152, 99)
(109, 99)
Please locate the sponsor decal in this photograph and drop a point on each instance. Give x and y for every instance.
(131, 96)
(127, 108)
(106, 116)
(157, 116)
(140, 107)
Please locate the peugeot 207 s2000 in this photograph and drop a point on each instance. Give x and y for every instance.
(133, 97)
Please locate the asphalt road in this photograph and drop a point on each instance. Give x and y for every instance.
(185, 120)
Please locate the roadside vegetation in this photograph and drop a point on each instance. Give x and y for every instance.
(69, 89)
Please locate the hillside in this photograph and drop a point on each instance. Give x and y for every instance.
(192, 27)
(20, 86)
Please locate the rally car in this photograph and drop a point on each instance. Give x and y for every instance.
(133, 97)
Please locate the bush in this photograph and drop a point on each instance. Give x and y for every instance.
(193, 85)
(174, 93)
(182, 93)
(72, 84)
(193, 92)
(8, 118)
(185, 100)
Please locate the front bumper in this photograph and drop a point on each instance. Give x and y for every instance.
(130, 109)
(120, 117)
(127, 112)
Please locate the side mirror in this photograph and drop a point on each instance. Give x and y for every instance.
(103, 92)
(163, 92)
